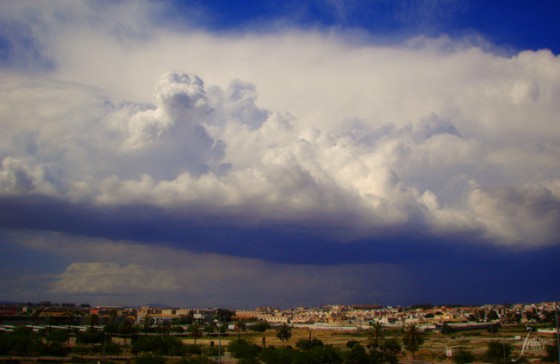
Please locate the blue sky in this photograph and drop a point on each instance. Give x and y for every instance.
(279, 153)
(515, 25)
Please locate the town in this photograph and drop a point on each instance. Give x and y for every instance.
(121, 333)
(335, 317)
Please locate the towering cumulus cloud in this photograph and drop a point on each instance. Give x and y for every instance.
(217, 148)
(170, 138)
(281, 155)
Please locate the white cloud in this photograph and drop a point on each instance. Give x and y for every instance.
(110, 278)
(17, 178)
(430, 133)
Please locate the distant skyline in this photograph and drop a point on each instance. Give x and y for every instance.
(358, 306)
(279, 153)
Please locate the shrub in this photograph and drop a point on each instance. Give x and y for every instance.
(260, 326)
(90, 337)
(304, 344)
(498, 352)
(149, 358)
(22, 341)
(551, 353)
(463, 357)
(243, 349)
(193, 349)
(160, 345)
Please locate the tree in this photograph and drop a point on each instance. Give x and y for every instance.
(326, 354)
(159, 345)
(390, 350)
(54, 341)
(463, 357)
(209, 327)
(197, 359)
(22, 341)
(272, 355)
(93, 320)
(323, 354)
(386, 352)
(147, 323)
(149, 358)
(376, 333)
(357, 355)
(492, 315)
(284, 333)
(111, 327)
(446, 329)
(551, 353)
(305, 344)
(195, 331)
(498, 352)
(412, 339)
(90, 337)
(243, 349)
(70, 318)
(178, 328)
(223, 315)
(112, 348)
(113, 316)
(56, 336)
(240, 325)
(126, 328)
(165, 328)
(260, 326)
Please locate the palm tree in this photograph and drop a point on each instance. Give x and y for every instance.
(412, 338)
(284, 333)
(165, 327)
(376, 333)
(240, 326)
(147, 323)
(195, 331)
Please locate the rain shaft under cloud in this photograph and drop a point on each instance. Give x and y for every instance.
(293, 148)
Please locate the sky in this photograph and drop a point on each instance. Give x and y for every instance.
(279, 153)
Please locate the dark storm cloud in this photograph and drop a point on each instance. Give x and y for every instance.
(224, 232)
(231, 233)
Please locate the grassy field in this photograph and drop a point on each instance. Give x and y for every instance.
(433, 350)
